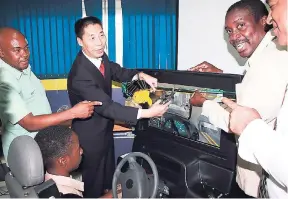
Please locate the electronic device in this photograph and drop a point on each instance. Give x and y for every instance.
(167, 97)
(193, 157)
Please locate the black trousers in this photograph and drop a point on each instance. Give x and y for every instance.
(97, 172)
(237, 192)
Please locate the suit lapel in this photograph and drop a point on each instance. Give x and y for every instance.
(95, 72)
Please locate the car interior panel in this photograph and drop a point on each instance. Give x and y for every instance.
(189, 167)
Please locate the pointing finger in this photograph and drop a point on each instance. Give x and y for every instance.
(96, 103)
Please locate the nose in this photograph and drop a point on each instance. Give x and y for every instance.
(81, 151)
(235, 35)
(98, 41)
(25, 53)
(269, 19)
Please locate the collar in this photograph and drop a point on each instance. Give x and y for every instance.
(95, 61)
(268, 38)
(66, 185)
(14, 71)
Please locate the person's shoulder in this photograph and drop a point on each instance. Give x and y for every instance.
(77, 59)
(7, 79)
(4, 72)
(272, 52)
(276, 53)
(77, 66)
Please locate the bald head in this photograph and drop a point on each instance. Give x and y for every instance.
(14, 48)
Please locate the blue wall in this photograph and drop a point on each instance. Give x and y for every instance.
(149, 32)
(49, 29)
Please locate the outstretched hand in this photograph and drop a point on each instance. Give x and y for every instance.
(197, 99)
(84, 109)
(158, 109)
(151, 81)
(240, 116)
(205, 67)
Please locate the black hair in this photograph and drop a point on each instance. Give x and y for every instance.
(83, 23)
(54, 142)
(256, 7)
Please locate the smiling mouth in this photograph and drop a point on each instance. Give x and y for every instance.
(240, 46)
(24, 62)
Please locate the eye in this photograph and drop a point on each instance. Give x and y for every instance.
(241, 25)
(228, 31)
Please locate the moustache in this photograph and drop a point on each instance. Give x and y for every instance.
(24, 61)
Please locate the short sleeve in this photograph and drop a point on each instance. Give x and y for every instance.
(12, 106)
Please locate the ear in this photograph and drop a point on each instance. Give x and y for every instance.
(79, 41)
(1, 53)
(263, 21)
(62, 161)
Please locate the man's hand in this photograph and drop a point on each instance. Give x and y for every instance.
(240, 116)
(206, 67)
(109, 194)
(151, 81)
(197, 99)
(84, 109)
(156, 110)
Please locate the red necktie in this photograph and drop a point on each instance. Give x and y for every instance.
(102, 69)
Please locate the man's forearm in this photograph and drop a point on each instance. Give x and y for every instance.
(67, 123)
(262, 145)
(35, 123)
(216, 114)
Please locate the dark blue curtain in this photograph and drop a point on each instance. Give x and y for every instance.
(49, 28)
(149, 33)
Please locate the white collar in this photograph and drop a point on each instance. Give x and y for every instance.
(95, 61)
(66, 185)
(268, 38)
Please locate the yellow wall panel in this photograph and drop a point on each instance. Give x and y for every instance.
(61, 84)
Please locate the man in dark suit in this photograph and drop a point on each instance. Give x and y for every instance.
(91, 78)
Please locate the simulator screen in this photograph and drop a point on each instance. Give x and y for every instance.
(181, 119)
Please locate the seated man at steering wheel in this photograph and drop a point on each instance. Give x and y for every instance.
(61, 154)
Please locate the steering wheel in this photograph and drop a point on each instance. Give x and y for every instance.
(135, 182)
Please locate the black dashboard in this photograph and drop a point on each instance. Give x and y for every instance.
(190, 168)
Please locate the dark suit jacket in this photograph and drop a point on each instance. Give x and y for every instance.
(85, 82)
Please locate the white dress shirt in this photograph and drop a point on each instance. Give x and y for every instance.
(97, 63)
(270, 150)
(240, 70)
(262, 88)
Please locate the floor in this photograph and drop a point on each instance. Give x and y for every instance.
(3, 190)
